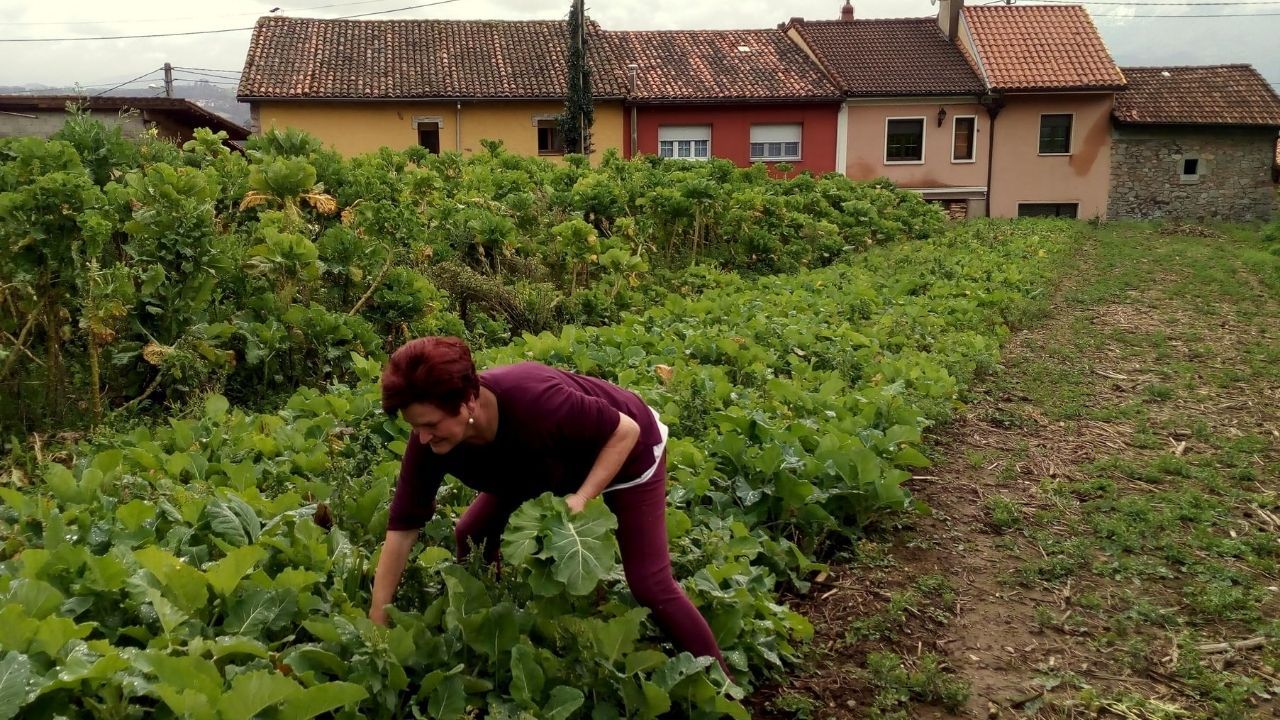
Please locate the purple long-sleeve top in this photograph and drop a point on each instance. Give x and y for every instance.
(552, 425)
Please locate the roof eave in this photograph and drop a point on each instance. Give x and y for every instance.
(416, 98)
(1194, 123)
(832, 99)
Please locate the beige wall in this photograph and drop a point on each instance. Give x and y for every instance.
(356, 128)
(1021, 175)
(865, 158)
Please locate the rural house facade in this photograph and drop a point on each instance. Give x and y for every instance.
(359, 85)
(1195, 142)
(911, 110)
(743, 95)
(1051, 84)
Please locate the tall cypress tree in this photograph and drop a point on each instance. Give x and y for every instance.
(579, 114)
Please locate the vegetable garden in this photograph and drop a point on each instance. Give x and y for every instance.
(206, 330)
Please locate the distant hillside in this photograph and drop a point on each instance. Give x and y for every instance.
(219, 99)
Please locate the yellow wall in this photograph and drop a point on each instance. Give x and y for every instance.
(1021, 175)
(355, 128)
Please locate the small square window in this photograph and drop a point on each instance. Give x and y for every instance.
(1191, 166)
(904, 140)
(1055, 134)
(550, 139)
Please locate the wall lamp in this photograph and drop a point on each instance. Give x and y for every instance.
(942, 115)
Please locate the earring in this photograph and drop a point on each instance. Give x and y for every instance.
(471, 420)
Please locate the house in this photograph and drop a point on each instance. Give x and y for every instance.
(173, 118)
(744, 95)
(359, 85)
(1051, 84)
(912, 109)
(1195, 142)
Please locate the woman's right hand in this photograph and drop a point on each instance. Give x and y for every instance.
(395, 553)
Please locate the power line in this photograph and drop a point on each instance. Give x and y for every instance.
(214, 32)
(189, 17)
(129, 82)
(1176, 17)
(205, 74)
(180, 67)
(1160, 3)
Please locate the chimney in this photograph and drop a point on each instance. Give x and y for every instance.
(949, 17)
(846, 12)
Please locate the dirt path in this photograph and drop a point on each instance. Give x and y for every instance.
(1104, 514)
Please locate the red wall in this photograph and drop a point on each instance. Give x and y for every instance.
(731, 129)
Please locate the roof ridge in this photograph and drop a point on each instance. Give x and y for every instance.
(1186, 67)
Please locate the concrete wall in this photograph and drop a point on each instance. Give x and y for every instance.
(47, 122)
(731, 129)
(867, 125)
(356, 128)
(1020, 174)
(1233, 183)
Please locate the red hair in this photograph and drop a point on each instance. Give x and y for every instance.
(435, 370)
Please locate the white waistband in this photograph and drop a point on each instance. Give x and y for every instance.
(657, 457)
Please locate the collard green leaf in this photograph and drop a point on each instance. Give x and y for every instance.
(16, 628)
(466, 594)
(448, 700)
(184, 672)
(520, 541)
(253, 692)
(260, 610)
(224, 575)
(617, 637)
(679, 668)
(491, 631)
(183, 584)
(321, 699)
(527, 677)
(55, 632)
(186, 703)
(37, 597)
(134, 514)
(563, 703)
(15, 674)
(583, 546)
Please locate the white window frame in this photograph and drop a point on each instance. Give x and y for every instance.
(677, 142)
(1071, 137)
(924, 136)
(799, 143)
(973, 140)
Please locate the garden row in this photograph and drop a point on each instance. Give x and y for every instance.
(218, 565)
(137, 275)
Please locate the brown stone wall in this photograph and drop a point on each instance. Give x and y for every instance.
(1233, 182)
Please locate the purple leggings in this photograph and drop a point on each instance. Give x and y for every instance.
(646, 558)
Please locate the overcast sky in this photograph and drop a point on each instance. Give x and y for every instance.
(1250, 38)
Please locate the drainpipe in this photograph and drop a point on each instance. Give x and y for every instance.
(632, 69)
(457, 129)
(993, 104)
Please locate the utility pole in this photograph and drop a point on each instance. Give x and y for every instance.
(168, 80)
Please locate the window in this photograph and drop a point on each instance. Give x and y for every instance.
(962, 138)
(429, 138)
(428, 128)
(904, 140)
(1191, 166)
(692, 142)
(550, 139)
(775, 142)
(1066, 210)
(1055, 134)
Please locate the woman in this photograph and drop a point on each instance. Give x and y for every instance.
(513, 433)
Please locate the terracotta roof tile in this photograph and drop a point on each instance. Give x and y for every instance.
(1037, 47)
(313, 58)
(908, 56)
(1199, 95)
(719, 65)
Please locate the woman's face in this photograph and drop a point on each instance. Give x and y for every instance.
(436, 428)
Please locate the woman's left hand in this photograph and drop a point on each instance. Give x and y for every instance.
(576, 503)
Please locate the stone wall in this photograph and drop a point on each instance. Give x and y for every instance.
(1232, 178)
(43, 123)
